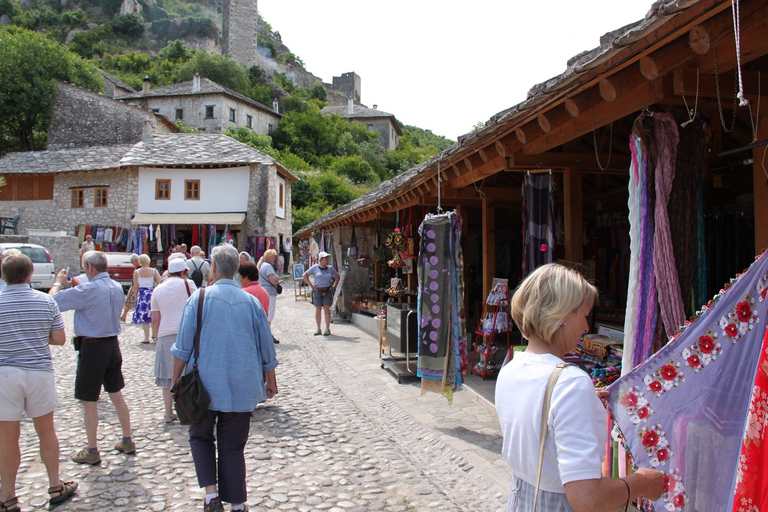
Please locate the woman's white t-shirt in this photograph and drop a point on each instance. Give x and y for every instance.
(577, 426)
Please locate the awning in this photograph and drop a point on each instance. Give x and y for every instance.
(232, 219)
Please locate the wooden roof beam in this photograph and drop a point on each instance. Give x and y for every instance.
(528, 132)
(584, 161)
(643, 95)
(487, 169)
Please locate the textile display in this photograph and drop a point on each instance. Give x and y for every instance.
(442, 347)
(752, 479)
(539, 221)
(684, 410)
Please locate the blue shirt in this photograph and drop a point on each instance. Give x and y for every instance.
(235, 346)
(97, 304)
(324, 277)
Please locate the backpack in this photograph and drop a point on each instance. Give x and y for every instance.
(197, 275)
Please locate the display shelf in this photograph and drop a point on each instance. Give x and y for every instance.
(493, 322)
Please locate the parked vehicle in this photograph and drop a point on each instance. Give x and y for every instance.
(120, 268)
(45, 273)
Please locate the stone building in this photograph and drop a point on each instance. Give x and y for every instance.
(113, 86)
(348, 84)
(239, 31)
(114, 164)
(373, 119)
(206, 105)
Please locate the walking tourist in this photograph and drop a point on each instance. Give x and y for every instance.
(249, 280)
(97, 306)
(237, 367)
(199, 269)
(30, 322)
(144, 279)
(168, 302)
(550, 307)
(326, 280)
(88, 245)
(130, 300)
(268, 279)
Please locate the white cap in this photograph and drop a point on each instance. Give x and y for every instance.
(177, 265)
(322, 255)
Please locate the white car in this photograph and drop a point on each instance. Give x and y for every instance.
(45, 274)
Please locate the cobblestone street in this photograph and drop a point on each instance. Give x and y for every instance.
(341, 435)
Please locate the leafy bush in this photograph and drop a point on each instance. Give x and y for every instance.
(91, 42)
(9, 7)
(219, 68)
(356, 169)
(130, 25)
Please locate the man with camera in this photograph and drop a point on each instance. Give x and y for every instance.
(97, 306)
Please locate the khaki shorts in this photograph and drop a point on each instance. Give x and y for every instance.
(21, 390)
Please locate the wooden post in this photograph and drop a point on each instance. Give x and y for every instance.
(760, 186)
(489, 244)
(574, 236)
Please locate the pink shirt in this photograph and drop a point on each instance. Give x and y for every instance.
(258, 291)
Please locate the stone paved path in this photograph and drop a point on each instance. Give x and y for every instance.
(341, 435)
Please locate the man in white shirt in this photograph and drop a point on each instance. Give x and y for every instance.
(287, 249)
(88, 245)
(196, 262)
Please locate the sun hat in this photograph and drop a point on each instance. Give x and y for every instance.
(322, 255)
(177, 265)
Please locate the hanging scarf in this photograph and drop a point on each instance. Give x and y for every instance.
(442, 349)
(684, 410)
(539, 221)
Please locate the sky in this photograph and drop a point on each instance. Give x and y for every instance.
(445, 65)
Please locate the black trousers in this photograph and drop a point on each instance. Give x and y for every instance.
(232, 430)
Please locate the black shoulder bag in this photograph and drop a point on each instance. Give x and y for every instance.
(278, 288)
(189, 394)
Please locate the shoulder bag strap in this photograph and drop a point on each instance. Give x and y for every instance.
(199, 323)
(186, 283)
(544, 417)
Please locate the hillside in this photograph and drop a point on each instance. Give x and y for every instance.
(171, 40)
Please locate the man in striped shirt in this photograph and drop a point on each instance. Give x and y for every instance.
(30, 322)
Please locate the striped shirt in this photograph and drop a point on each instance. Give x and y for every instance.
(27, 318)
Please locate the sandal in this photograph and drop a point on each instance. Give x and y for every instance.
(146, 342)
(169, 417)
(64, 491)
(12, 505)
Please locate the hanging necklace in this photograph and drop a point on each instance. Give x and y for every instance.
(692, 113)
(719, 105)
(594, 141)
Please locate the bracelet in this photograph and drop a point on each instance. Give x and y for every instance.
(626, 507)
(56, 284)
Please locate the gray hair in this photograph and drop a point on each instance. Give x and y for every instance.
(97, 259)
(195, 250)
(177, 256)
(226, 259)
(134, 257)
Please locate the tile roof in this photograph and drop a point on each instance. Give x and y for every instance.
(177, 149)
(185, 89)
(64, 160)
(357, 111)
(116, 81)
(611, 43)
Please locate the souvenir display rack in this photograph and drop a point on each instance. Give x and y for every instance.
(493, 321)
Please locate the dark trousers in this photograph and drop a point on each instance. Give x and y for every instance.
(232, 430)
(287, 262)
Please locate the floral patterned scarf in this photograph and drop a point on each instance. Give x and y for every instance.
(684, 410)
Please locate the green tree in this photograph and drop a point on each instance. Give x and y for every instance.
(29, 65)
(219, 68)
(356, 169)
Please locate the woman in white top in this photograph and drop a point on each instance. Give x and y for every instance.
(144, 279)
(268, 279)
(550, 307)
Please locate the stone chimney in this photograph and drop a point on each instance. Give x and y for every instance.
(145, 85)
(147, 131)
(350, 107)
(374, 106)
(276, 106)
(196, 83)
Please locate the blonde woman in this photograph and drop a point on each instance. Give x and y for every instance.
(144, 279)
(268, 279)
(550, 307)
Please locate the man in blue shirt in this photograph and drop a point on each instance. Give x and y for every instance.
(237, 367)
(97, 306)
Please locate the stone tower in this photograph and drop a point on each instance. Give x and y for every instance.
(349, 84)
(239, 31)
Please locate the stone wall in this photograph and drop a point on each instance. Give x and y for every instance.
(83, 118)
(64, 249)
(58, 215)
(261, 220)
